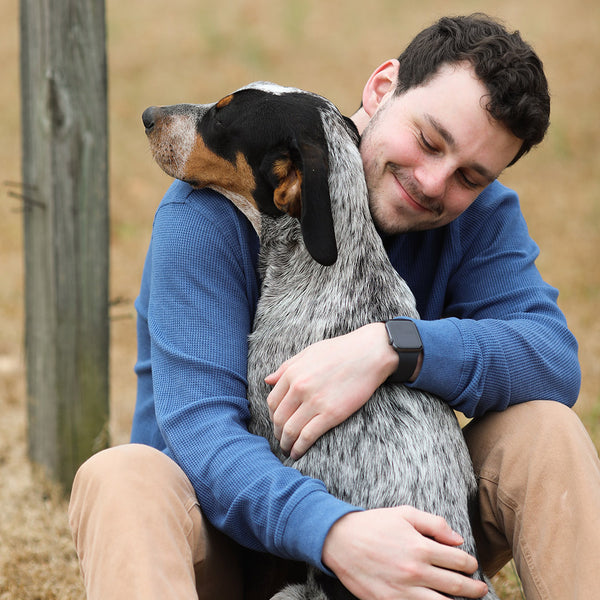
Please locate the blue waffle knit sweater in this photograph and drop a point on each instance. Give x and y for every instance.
(492, 333)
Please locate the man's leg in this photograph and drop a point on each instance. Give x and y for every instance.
(139, 532)
(539, 497)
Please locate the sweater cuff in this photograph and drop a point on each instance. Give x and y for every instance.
(443, 358)
(308, 525)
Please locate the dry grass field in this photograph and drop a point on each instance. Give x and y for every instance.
(190, 50)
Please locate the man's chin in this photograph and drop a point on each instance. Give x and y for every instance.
(390, 223)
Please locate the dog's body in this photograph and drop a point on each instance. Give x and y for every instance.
(404, 447)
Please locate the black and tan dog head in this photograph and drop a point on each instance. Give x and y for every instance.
(263, 144)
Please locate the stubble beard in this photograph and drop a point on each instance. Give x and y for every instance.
(392, 221)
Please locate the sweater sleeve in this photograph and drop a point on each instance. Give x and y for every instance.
(502, 339)
(201, 300)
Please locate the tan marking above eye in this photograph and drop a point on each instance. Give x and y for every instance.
(224, 101)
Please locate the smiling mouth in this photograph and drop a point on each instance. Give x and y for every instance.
(407, 195)
(411, 196)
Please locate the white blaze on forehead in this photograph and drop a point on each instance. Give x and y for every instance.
(272, 88)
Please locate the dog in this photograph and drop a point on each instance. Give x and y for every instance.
(290, 162)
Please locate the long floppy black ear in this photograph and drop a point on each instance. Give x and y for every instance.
(301, 189)
(316, 219)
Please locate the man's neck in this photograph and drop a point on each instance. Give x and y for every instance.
(360, 118)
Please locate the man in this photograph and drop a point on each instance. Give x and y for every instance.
(465, 100)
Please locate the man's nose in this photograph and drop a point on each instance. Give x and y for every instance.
(433, 178)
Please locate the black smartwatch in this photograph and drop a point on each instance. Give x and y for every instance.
(406, 341)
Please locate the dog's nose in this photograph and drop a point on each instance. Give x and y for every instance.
(148, 117)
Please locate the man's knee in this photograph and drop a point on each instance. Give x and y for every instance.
(134, 514)
(518, 454)
(516, 433)
(124, 476)
(129, 465)
(550, 431)
(549, 416)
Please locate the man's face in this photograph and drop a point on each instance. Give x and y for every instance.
(429, 152)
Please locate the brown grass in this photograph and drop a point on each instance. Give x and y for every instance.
(186, 50)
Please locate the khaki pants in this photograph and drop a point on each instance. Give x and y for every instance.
(139, 532)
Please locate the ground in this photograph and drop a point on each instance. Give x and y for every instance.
(191, 51)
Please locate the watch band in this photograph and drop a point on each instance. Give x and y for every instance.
(405, 339)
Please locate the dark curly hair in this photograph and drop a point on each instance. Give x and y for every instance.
(508, 67)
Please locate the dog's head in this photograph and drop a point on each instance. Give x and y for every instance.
(264, 144)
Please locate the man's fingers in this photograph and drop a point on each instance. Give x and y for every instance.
(289, 433)
(451, 559)
(380, 553)
(276, 395)
(432, 526)
(455, 584)
(443, 539)
(299, 431)
(274, 377)
(309, 434)
(443, 554)
(285, 422)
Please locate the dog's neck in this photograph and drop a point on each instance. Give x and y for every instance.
(244, 205)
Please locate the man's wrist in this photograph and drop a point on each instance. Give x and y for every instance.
(334, 542)
(405, 340)
(387, 358)
(417, 370)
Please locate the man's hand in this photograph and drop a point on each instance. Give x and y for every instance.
(399, 553)
(326, 383)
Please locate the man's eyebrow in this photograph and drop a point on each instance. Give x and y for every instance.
(487, 175)
(449, 139)
(442, 131)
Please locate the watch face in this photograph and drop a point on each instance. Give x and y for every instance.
(405, 335)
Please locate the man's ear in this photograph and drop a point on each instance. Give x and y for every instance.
(380, 84)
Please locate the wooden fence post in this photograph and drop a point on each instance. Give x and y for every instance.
(65, 175)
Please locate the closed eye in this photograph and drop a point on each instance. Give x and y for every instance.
(468, 182)
(426, 143)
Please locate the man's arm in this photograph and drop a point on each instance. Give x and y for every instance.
(199, 310)
(202, 290)
(493, 334)
(492, 330)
